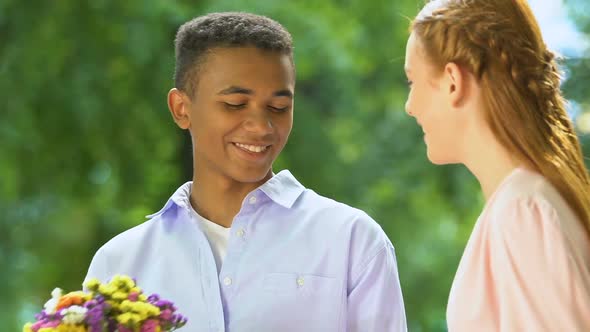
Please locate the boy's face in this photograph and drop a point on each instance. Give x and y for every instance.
(241, 113)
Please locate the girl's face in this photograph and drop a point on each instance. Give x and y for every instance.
(429, 102)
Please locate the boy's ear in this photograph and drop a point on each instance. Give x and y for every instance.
(178, 104)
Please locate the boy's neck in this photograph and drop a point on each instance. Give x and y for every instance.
(219, 198)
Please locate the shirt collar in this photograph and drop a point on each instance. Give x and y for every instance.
(282, 189)
(179, 198)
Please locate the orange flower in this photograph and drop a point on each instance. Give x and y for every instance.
(68, 300)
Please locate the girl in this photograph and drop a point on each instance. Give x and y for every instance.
(485, 90)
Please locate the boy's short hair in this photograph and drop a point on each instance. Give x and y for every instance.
(231, 29)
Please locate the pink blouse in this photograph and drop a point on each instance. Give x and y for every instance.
(526, 266)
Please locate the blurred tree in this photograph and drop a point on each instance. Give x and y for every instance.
(578, 74)
(87, 147)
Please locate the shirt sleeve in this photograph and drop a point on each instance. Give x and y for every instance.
(539, 286)
(98, 267)
(375, 301)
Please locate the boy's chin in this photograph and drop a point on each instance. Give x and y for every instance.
(252, 176)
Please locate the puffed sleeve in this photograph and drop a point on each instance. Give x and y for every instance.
(539, 282)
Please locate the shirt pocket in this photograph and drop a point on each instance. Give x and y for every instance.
(301, 302)
(304, 285)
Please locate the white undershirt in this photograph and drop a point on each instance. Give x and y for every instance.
(217, 236)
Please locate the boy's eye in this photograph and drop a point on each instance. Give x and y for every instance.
(279, 109)
(234, 106)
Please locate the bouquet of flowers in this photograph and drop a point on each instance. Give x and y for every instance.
(117, 306)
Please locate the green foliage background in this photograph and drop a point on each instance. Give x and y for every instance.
(87, 146)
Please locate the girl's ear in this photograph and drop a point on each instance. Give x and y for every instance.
(454, 83)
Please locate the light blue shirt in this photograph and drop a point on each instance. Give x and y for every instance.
(296, 261)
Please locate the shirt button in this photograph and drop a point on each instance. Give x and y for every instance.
(253, 200)
(240, 232)
(300, 281)
(227, 281)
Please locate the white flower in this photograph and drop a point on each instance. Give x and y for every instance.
(56, 293)
(51, 305)
(74, 314)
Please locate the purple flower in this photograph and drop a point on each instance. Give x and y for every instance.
(91, 303)
(179, 320)
(111, 324)
(150, 325)
(95, 315)
(133, 296)
(153, 298)
(166, 314)
(94, 318)
(123, 328)
(42, 315)
(163, 304)
(35, 327)
(52, 323)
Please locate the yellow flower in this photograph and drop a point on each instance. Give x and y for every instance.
(122, 282)
(152, 310)
(92, 284)
(143, 310)
(129, 319)
(106, 290)
(113, 304)
(27, 327)
(71, 328)
(119, 296)
(126, 306)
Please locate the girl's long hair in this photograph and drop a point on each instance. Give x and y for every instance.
(500, 42)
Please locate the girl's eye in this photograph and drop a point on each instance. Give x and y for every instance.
(410, 83)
